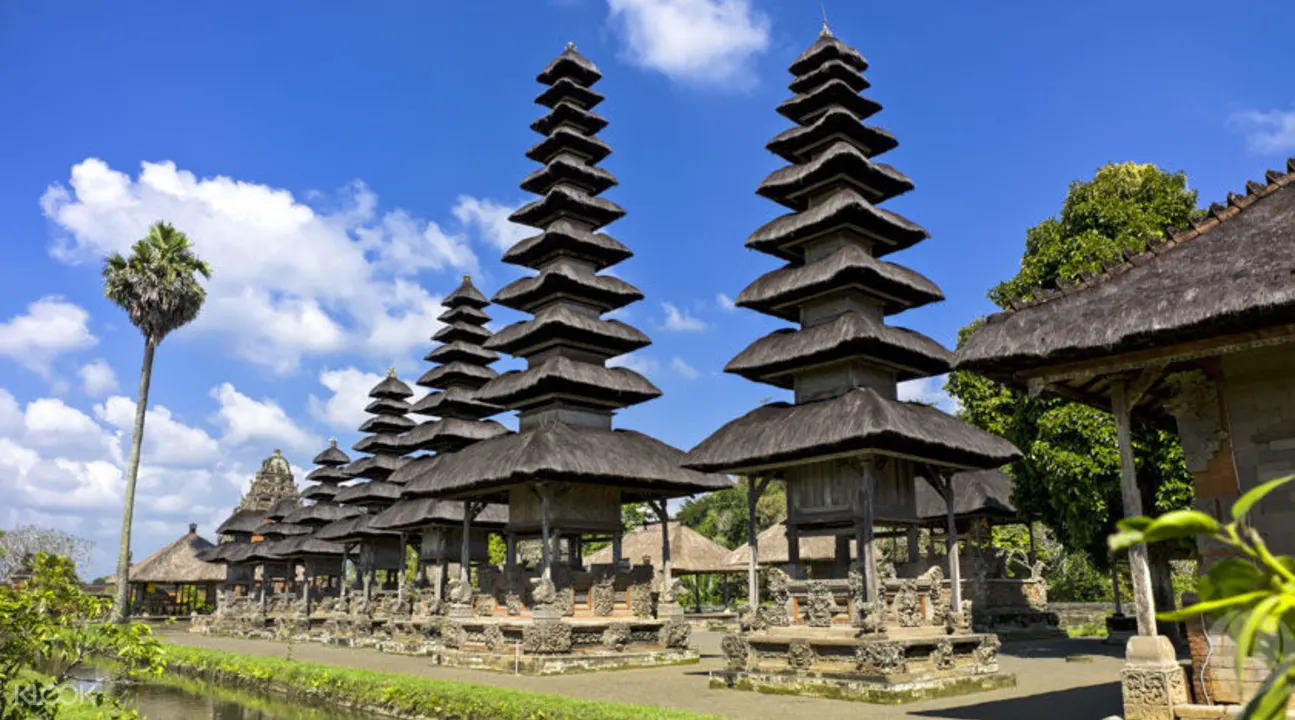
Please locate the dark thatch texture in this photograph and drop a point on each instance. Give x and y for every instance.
(322, 492)
(422, 512)
(451, 433)
(797, 144)
(572, 65)
(858, 421)
(375, 467)
(600, 249)
(591, 179)
(231, 553)
(565, 113)
(460, 372)
(464, 313)
(460, 351)
(321, 514)
(690, 551)
(350, 530)
(564, 201)
(559, 324)
(1231, 275)
(281, 508)
(830, 70)
(979, 493)
(774, 547)
(391, 387)
(464, 331)
(466, 294)
(568, 140)
(327, 474)
(824, 50)
(381, 444)
(780, 292)
(307, 546)
(567, 90)
(281, 529)
(803, 107)
(612, 387)
(642, 466)
(773, 358)
(332, 456)
(844, 208)
(386, 424)
(242, 522)
(373, 492)
(792, 185)
(460, 402)
(178, 562)
(564, 277)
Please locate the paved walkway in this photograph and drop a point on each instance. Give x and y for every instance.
(1047, 685)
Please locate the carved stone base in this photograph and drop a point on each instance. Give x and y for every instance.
(1152, 680)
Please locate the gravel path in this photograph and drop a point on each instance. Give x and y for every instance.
(1047, 686)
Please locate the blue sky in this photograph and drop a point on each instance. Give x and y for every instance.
(342, 165)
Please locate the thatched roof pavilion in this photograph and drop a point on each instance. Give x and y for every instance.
(848, 449)
(775, 549)
(566, 471)
(1194, 332)
(691, 553)
(181, 564)
(982, 494)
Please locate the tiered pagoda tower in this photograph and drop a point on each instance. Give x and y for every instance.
(320, 558)
(848, 449)
(567, 395)
(456, 420)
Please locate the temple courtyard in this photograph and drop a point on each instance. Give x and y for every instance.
(1049, 685)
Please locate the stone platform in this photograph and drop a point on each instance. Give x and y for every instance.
(912, 665)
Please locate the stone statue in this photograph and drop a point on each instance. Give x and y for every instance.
(544, 595)
(885, 658)
(617, 637)
(602, 595)
(942, 655)
(820, 606)
(908, 604)
(987, 652)
(736, 652)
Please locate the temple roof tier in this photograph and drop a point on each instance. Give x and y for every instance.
(281, 508)
(850, 268)
(328, 474)
(376, 467)
(422, 512)
(566, 90)
(386, 425)
(472, 334)
(778, 356)
(367, 493)
(563, 201)
(562, 326)
(377, 444)
(457, 402)
(332, 455)
(456, 373)
(321, 514)
(859, 421)
(579, 382)
(321, 493)
(562, 237)
(385, 406)
(641, 466)
(802, 109)
(565, 278)
(591, 179)
(464, 313)
(565, 141)
(460, 351)
(450, 433)
(466, 294)
(351, 530)
(391, 387)
(570, 64)
(830, 70)
(798, 144)
(840, 165)
(844, 210)
(280, 529)
(306, 547)
(824, 50)
(242, 522)
(571, 115)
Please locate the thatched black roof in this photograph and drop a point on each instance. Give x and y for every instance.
(447, 434)
(332, 456)
(858, 421)
(375, 467)
(570, 65)
(350, 530)
(641, 466)
(391, 387)
(327, 474)
(595, 385)
(455, 402)
(280, 529)
(844, 209)
(323, 492)
(566, 113)
(369, 493)
(568, 140)
(466, 294)
(464, 313)
(456, 373)
(567, 90)
(827, 48)
(461, 351)
(383, 444)
(593, 180)
(242, 522)
(566, 278)
(307, 546)
(774, 358)
(830, 70)
(563, 237)
(1228, 277)
(281, 508)
(461, 330)
(421, 512)
(386, 424)
(562, 201)
(781, 292)
(798, 144)
(558, 324)
(321, 513)
(791, 186)
(976, 494)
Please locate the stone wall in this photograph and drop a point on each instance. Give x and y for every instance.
(1075, 614)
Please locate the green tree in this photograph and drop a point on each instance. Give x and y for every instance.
(48, 628)
(158, 288)
(1069, 474)
(20, 544)
(722, 516)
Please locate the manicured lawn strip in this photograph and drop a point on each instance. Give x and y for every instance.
(395, 694)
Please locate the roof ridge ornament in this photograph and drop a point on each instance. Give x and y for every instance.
(391, 372)
(571, 47)
(827, 29)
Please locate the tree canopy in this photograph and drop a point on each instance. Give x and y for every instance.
(156, 285)
(20, 545)
(1069, 473)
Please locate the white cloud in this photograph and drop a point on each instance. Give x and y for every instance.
(288, 280)
(677, 320)
(245, 419)
(345, 409)
(1268, 132)
(711, 42)
(929, 390)
(641, 364)
(686, 371)
(52, 426)
(725, 302)
(11, 416)
(409, 323)
(491, 220)
(51, 327)
(166, 440)
(98, 379)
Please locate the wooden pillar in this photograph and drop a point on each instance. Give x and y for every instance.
(1138, 568)
(914, 543)
(305, 589)
(793, 552)
(546, 554)
(842, 555)
(951, 536)
(616, 551)
(264, 579)
(754, 489)
(400, 574)
(1115, 587)
(1034, 555)
(510, 552)
(346, 551)
(863, 520)
(663, 514)
(465, 548)
(575, 552)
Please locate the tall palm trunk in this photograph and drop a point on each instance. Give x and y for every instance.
(122, 609)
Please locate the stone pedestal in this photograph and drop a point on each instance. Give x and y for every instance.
(1152, 679)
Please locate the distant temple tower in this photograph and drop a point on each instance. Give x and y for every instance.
(272, 483)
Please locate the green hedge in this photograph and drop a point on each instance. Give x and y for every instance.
(400, 695)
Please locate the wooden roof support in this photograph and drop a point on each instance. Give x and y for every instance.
(1122, 404)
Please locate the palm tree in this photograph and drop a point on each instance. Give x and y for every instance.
(157, 288)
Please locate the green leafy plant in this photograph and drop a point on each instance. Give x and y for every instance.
(1254, 592)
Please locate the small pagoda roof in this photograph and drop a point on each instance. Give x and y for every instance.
(824, 50)
(350, 529)
(308, 546)
(793, 185)
(178, 562)
(391, 387)
(1225, 281)
(467, 332)
(690, 551)
(386, 424)
(374, 491)
(976, 494)
(563, 201)
(641, 466)
(802, 108)
(564, 140)
(797, 143)
(773, 358)
(571, 65)
(562, 237)
(332, 455)
(456, 372)
(775, 549)
(594, 384)
(781, 292)
(565, 113)
(464, 313)
(561, 325)
(375, 467)
(281, 508)
(321, 514)
(279, 529)
(830, 70)
(327, 474)
(242, 522)
(466, 294)
(227, 553)
(859, 421)
(387, 406)
(380, 444)
(324, 491)
(565, 89)
(414, 513)
(457, 401)
(844, 209)
(566, 278)
(451, 433)
(562, 169)
(461, 351)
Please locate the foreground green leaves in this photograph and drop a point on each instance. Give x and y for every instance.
(1253, 593)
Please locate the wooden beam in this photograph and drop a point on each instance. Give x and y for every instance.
(863, 528)
(1138, 567)
(755, 487)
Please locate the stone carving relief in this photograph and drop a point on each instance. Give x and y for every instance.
(494, 638)
(987, 651)
(885, 658)
(736, 652)
(942, 655)
(908, 604)
(453, 635)
(1195, 407)
(958, 621)
(616, 637)
(544, 595)
(675, 634)
(641, 599)
(486, 607)
(820, 606)
(547, 638)
(800, 654)
(513, 601)
(602, 595)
